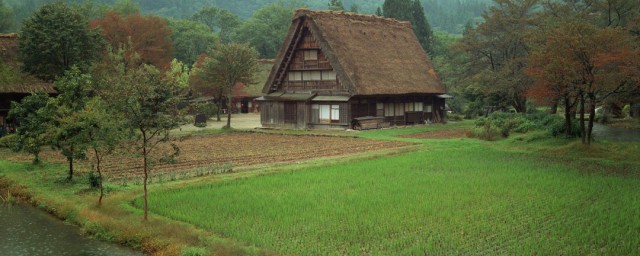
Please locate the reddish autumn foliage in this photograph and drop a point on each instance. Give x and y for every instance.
(148, 36)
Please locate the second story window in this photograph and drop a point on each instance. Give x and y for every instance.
(311, 55)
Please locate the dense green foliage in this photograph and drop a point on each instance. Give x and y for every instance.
(450, 197)
(34, 114)
(55, 38)
(6, 17)
(444, 15)
(412, 11)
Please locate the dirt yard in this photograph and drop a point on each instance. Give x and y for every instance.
(237, 149)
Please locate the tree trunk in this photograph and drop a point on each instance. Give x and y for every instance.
(95, 151)
(553, 109)
(219, 108)
(229, 97)
(568, 116)
(70, 177)
(144, 168)
(592, 116)
(582, 128)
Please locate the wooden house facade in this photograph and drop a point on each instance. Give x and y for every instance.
(335, 67)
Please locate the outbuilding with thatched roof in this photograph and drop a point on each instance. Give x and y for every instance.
(338, 70)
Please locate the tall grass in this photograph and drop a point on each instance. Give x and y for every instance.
(451, 197)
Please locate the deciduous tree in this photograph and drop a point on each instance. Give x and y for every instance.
(64, 133)
(219, 21)
(33, 114)
(190, 39)
(267, 28)
(148, 36)
(55, 38)
(498, 52)
(227, 66)
(147, 100)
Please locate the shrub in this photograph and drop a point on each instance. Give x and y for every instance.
(486, 132)
(94, 180)
(455, 117)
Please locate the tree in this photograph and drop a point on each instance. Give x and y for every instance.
(227, 66)
(55, 38)
(103, 132)
(412, 11)
(190, 39)
(33, 115)
(148, 36)
(266, 29)
(6, 17)
(498, 53)
(126, 7)
(335, 5)
(379, 12)
(353, 8)
(64, 133)
(219, 21)
(584, 64)
(147, 100)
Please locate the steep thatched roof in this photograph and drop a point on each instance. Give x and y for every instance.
(371, 55)
(17, 82)
(8, 48)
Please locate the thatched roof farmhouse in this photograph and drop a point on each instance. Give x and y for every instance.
(335, 68)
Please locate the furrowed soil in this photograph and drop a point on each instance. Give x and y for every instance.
(234, 149)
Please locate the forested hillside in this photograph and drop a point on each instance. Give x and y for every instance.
(444, 15)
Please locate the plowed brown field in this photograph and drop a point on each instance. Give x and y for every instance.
(238, 149)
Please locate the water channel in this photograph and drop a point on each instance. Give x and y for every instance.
(603, 132)
(25, 230)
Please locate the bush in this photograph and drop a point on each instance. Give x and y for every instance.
(557, 127)
(454, 117)
(486, 132)
(94, 180)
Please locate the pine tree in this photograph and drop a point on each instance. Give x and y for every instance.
(336, 5)
(406, 10)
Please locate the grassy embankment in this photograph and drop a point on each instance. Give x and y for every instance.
(523, 195)
(515, 196)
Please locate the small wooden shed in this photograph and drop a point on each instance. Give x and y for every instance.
(336, 68)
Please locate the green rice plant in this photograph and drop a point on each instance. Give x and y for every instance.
(464, 197)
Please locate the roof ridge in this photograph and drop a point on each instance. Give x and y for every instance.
(366, 17)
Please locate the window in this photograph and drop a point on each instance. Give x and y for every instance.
(379, 109)
(312, 75)
(328, 75)
(327, 113)
(311, 55)
(295, 76)
(418, 106)
(389, 109)
(399, 109)
(428, 109)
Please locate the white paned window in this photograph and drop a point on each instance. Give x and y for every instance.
(311, 55)
(328, 75)
(388, 109)
(295, 76)
(325, 113)
(335, 113)
(408, 106)
(428, 109)
(312, 75)
(399, 109)
(418, 106)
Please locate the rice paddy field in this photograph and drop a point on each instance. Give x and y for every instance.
(451, 196)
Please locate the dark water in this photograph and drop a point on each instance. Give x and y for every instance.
(603, 132)
(25, 230)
